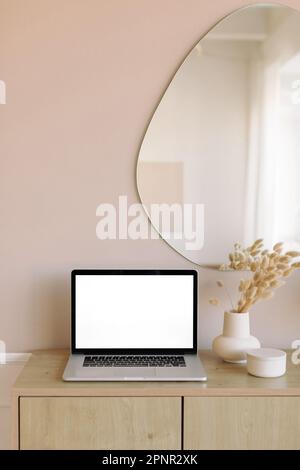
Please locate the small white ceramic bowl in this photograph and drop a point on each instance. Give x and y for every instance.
(266, 362)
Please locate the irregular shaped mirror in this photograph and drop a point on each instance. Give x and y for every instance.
(221, 153)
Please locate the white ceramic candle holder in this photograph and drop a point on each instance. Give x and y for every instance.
(266, 362)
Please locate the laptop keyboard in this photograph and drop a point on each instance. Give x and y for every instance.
(134, 361)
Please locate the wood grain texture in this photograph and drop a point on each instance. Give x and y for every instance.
(14, 436)
(231, 410)
(249, 423)
(42, 376)
(100, 423)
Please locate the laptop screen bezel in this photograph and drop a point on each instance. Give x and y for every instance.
(156, 272)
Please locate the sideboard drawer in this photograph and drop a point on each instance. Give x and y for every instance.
(242, 423)
(100, 422)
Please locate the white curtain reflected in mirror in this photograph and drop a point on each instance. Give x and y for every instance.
(274, 163)
(229, 123)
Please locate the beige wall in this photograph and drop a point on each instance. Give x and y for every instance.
(202, 109)
(83, 77)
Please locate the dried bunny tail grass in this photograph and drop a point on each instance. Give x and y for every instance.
(271, 276)
(272, 264)
(255, 253)
(261, 289)
(267, 267)
(264, 264)
(256, 246)
(275, 284)
(264, 284)
(214, 301)
(257, 276)
(245, 308)
(293, 254)
(240, 256)
(288, 272)
(241, 259)
(285, 258)
(251, 293)
(244, 285)
(282, 266)
(267, 295)
(253, 266)
(221, 284)
(278, 247)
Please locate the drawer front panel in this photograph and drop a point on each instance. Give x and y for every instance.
(242, 423)
(100, 423)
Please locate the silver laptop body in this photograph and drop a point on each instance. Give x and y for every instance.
(136, 325)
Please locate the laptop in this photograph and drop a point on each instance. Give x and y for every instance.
(136, 325)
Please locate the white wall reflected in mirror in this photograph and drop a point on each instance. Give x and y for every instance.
(231, 119)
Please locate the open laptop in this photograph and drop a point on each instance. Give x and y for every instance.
(134, 325)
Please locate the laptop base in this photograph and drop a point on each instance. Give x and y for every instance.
(194, 371)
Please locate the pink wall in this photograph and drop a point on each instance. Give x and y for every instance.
(83, 77)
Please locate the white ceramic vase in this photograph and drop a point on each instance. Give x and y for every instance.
(232, 345)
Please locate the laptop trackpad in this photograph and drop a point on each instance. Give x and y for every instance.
(135, 373)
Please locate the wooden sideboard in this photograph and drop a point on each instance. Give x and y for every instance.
(232, 410)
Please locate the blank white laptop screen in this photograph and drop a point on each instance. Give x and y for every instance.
(134, 311)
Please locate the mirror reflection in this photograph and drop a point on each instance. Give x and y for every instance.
(225, 137)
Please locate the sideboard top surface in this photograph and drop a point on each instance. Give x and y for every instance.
(42, 376)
